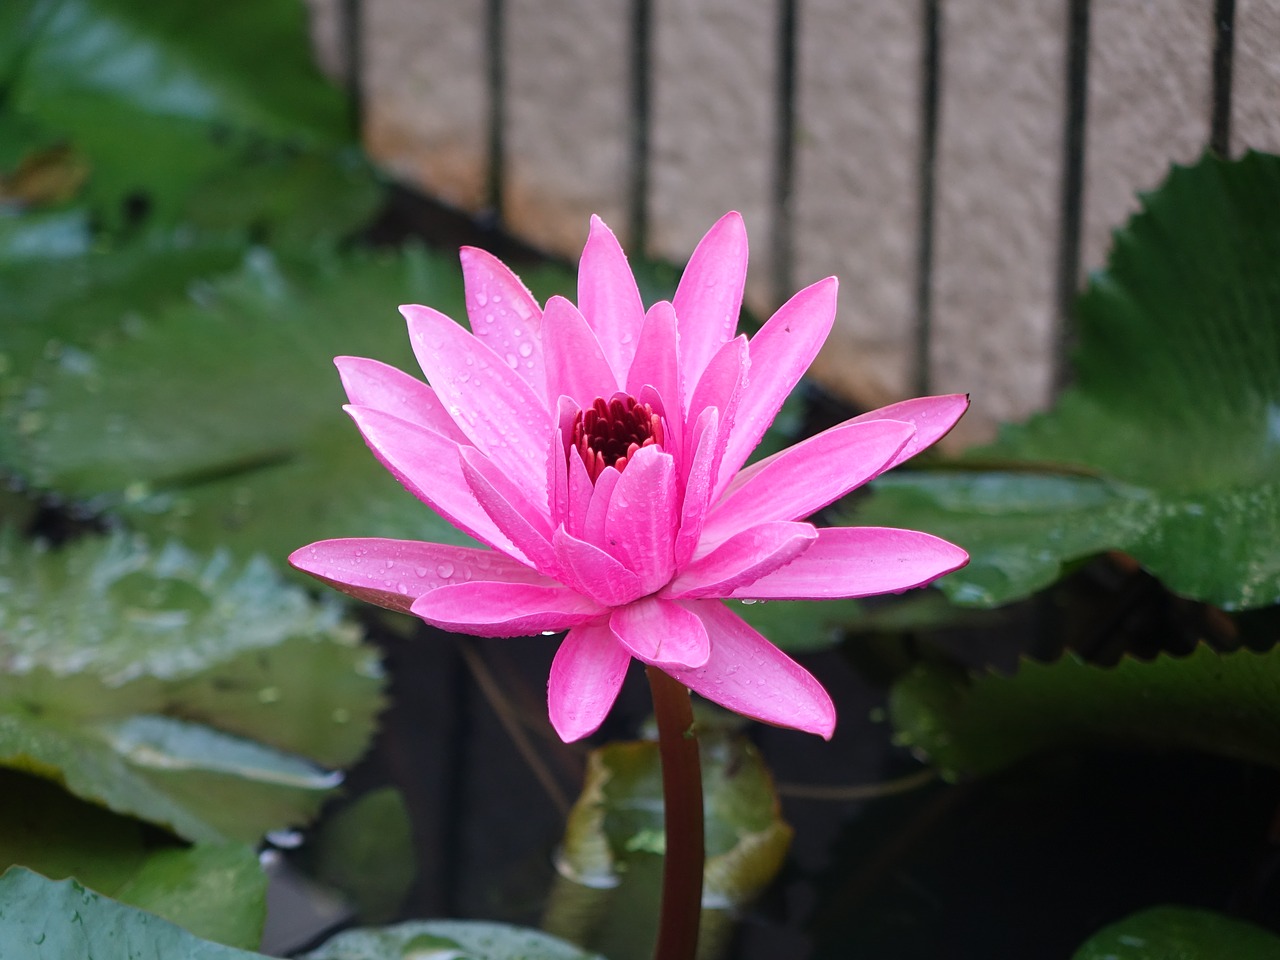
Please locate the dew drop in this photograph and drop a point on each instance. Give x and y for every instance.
(747, 602)
(482, 298)
(526, 349)
(497, 298)
(389, 564)
(488, 318)
(444, 570)
(420, 571)
(513, 361)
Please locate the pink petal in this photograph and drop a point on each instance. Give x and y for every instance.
(640, 527)
(598, 508)
(749, 675)
(430, 467)
(661, 632)
(722, 382)
(586, 675)
(859, 562)
(781, 352)
(804, 478)
(575, 357)
(743, 559)
(933, 418)
(697, 490)
(709, 296)
(504, 314)
(656, 361)
(487, 609)
(518, 520)
(486, 398)
(609, 299)
(370, 383)
(592, 572)
(579, 495)
(394, 573)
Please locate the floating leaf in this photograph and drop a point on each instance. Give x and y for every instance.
(1222, 703)
(1168, 445)
(610, 862)
(62, 919)
(219, 419)
(216, 891)
(469, 939)
(1180, 933)
(165, 100)
(136, 677)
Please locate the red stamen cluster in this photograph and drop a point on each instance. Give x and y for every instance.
(609, 432)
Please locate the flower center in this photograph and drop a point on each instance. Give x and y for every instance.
(609, 432)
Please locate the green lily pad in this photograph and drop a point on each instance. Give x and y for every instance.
(1180, 933)
(447, 940)
(610, 863)
(197, 694)
(165, 99)
(218, 420)
(45, 918)
(217, 891)
(1219, 703)
(1168, 445)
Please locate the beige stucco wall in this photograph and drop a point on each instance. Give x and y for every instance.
(856, 190)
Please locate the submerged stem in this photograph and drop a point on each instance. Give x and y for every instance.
(685, 853)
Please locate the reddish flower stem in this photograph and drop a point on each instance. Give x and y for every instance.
(682, 805)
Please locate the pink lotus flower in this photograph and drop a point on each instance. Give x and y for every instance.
(597, 450)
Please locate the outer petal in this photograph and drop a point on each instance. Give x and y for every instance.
(370, 383)
(661, 632)
(486, 398)
(859, 562)
(709, 296)
(749, 675)
(742, 559)
(510, 513)
(575, 357)
(504, 314)
(640, 527)
(489, 609)
(781, 352)
(933, 418)
(804, 478)
(394, 573)
(609, 299)
(586, 675)
(430, 467)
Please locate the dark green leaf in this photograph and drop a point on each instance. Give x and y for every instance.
(164, 98)
(1168, 445)
(134, 676)
(1180, 933)
(1222, 703)
(216, 891)
(445, 940)
(42, 918)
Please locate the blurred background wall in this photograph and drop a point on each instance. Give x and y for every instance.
(959, 164)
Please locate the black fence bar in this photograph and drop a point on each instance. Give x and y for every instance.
(496, 81)
(351, 18)
(784, 153)
(930, 71)
(1224, 28)
(1071, 209)
(639, 126)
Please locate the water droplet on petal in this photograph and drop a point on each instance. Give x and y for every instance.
(513, 361)
(420, 571)
(482, 298)
(444, 570)
(526, 349)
